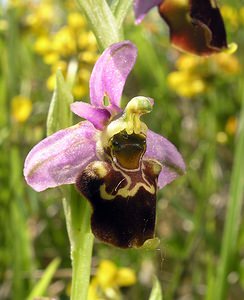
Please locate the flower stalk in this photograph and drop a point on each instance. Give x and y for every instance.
(106, 22)
(120, 10)
(102, 21)
(77, 211)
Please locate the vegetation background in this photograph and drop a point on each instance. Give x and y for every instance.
(197, 107)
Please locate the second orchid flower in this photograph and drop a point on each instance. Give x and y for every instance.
(196, 26)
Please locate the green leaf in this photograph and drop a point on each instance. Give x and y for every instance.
(120, 10)
(59, 114)
(113, 5)
(233, 212)
(156, 293)
(102, 22)
(42, 285)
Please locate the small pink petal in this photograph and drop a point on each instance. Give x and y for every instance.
(110, 73)
(142, 7)
(61, 157)
(97, 116)
(165, 152)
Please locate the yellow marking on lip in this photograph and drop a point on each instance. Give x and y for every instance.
(156, 166)
(213, 3)
(99, 168)
(126, 191)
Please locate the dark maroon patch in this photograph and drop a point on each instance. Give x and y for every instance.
(124, 221)
(202, 10)
(195, 28)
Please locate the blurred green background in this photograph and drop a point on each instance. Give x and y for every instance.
(197, 107)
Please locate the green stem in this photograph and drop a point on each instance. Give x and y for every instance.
(78, 212)
(81, 267)
(102, 21)
(233, 214)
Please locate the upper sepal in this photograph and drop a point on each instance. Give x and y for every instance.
(59, 158)
(109, 74)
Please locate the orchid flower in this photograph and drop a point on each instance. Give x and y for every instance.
(196, 26)
(114, 160)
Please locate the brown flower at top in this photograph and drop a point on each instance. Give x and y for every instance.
(196, 26)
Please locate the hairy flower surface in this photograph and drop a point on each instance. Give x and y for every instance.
(114, 160)
(196, 26)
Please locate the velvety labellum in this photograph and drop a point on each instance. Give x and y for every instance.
(196, 26)
(208, 14)
(123, 199)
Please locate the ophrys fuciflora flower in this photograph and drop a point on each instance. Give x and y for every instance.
(114, 160)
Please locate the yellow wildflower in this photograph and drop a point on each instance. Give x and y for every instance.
(106, 273)
(84, 75)
(194, 73)
(230, 15)
(41, 17)
(61, 64)
(186, 62)
(51, 58)
(64, 42)
(93, 293)
(185, 84)
(125, 277)
(231, 125)
(227, 63)
(21, 108)
(107, 281)
(79, 90)
(42, 45)
(76, 21)
(51, 82)
(88, 57)
(86, 40)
